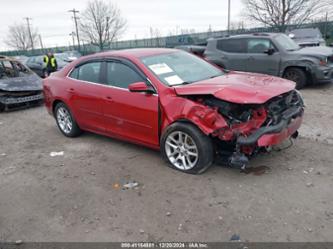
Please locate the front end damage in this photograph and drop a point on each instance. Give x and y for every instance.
(241, 131)
(10, 100)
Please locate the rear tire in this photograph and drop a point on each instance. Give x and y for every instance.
(2, 107)
(65, 121)
(186, 148)
(297, 75)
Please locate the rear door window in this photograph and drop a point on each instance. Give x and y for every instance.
(232, 45)
(88, 72)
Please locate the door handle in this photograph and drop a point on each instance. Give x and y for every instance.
(71, 90)
(109, 98)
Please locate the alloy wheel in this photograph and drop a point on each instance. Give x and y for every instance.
(64, 120)
(181, 150)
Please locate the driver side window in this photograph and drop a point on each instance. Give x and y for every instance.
(121, 75)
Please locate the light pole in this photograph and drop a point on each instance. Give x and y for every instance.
(228, 16)
(73, 38)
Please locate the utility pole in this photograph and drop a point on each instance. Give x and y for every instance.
(326, 22)
(41, 42)
(73, 38)
(228, 17)
(29, 30)
(74, 11)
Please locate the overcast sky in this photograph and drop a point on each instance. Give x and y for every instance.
(54, 23)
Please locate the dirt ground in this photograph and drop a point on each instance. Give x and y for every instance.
(78, 196)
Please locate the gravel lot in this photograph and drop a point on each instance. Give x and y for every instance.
(78, 196)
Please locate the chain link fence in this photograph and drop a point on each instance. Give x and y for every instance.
(326, 29)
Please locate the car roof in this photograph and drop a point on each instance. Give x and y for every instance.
(6, 58)
(261, 35)
(306, 33)
(136, 53)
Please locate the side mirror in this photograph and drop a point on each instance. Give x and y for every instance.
(140, 87)
(270, 51)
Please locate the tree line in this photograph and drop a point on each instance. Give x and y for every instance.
(102, 23)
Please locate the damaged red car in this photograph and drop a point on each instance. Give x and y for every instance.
(171, 100)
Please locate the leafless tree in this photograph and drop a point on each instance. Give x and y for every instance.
(18, 37)
(280, 13)
(155, 36)
(237, 25)
(101, 23)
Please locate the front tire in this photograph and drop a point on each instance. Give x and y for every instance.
(186, 148)
(297, 75)
(66, 122)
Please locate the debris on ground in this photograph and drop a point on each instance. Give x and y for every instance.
(10, 170)
(235, 237)
(54, 153)
(308, 171)
(180, 227)
(18, 242)
(116, 186)
(142, 231)
(3, 154)
(257, 171)
(130, 185)
(168, 214)
(309, 184)
(93, 173)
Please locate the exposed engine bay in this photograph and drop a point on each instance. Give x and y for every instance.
(250, 128)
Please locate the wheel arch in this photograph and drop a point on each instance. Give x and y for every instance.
(57, 101)
(305, 68)
(185, 121)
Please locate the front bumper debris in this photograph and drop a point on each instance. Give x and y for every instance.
(271, 135)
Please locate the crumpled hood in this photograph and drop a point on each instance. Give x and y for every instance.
(238, 87)
(26, 83)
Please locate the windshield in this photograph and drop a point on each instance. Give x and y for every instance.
(287, 43)
(12, 69)
(180, 68)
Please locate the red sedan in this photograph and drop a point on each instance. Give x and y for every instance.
(173, 101)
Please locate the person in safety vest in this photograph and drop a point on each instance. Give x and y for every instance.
(50, 64)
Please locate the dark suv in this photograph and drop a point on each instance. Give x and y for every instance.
(275, 54)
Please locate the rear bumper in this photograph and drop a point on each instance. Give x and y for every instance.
(275, 134)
